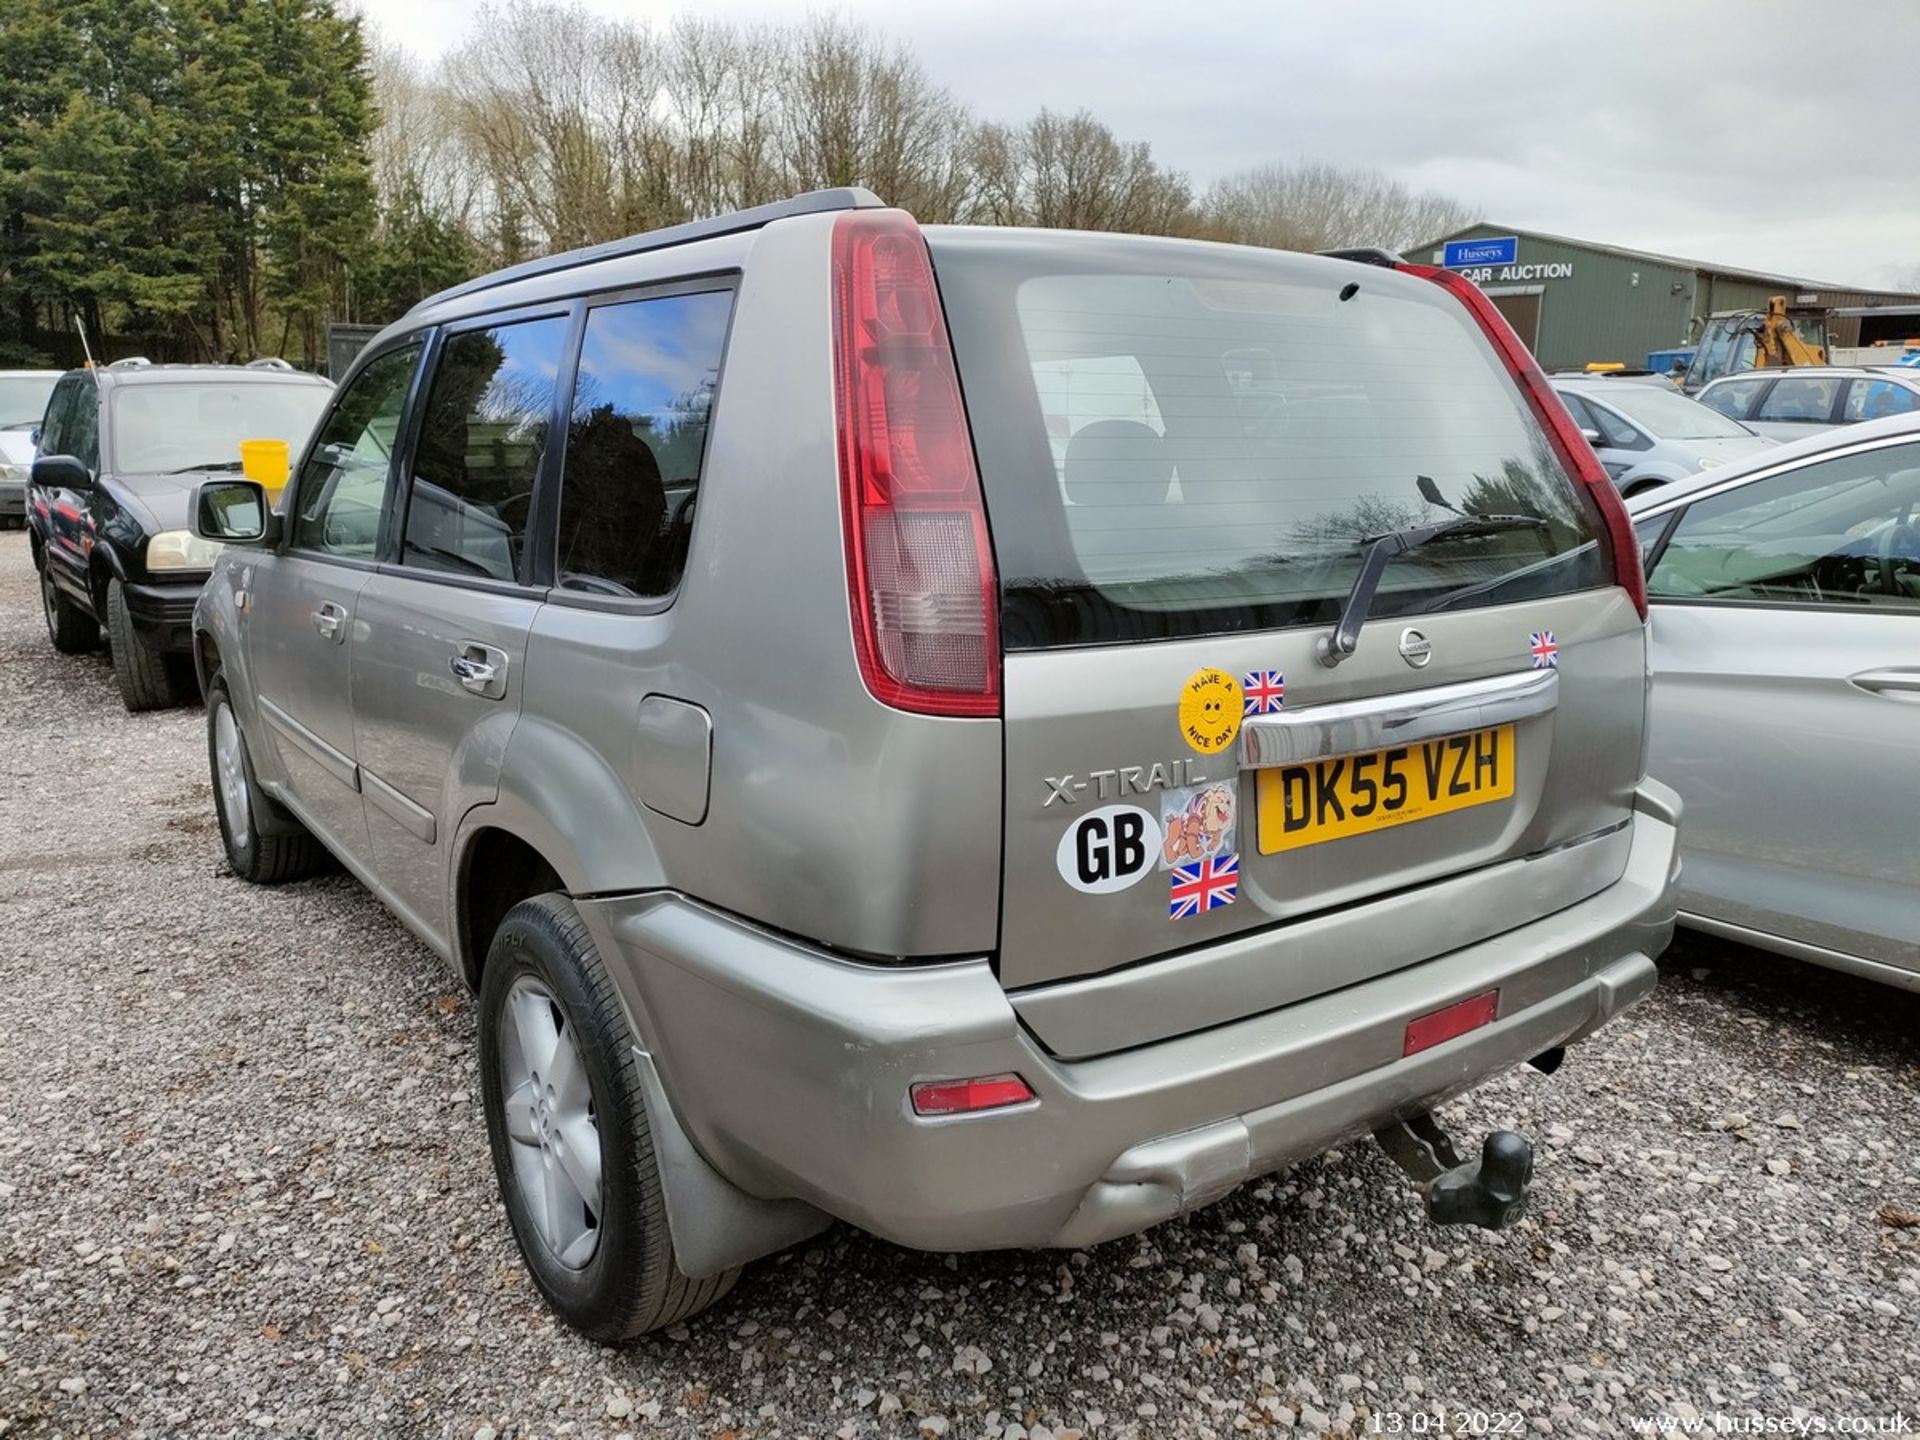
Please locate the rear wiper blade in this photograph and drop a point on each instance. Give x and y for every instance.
(1381, 549)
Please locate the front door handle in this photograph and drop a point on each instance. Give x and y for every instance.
(1889, 682)
(480, 669)
(330, 620)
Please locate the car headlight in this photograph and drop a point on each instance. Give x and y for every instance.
(15, 474)
(180, 550)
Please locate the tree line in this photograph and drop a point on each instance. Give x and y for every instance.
(217, 179)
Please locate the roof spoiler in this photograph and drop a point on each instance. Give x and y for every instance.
(1365, 255)
(814, 202)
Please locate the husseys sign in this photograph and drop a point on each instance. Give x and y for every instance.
(1496, 261)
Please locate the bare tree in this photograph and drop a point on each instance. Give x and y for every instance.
(1315, 206)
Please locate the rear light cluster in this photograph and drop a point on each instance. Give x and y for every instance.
(965, 1097)
(919, 566)
(1568, 443)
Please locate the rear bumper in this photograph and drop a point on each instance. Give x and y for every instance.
(790, 1068)
(163, 614)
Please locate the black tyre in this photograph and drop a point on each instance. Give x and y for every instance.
(262, 859)
(146, 680)
(567, 1118)
(72, 630)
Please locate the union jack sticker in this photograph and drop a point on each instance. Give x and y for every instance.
(1204, 885)
(1262, 692)
(1545, 649)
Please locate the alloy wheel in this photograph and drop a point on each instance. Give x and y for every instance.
(551, 1122)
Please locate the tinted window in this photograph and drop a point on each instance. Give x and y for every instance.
(82, 434)
(1180, 440)
(168, 425)
(1735, 399)
(1807, 399)
(1876, 399)
(341, 486)
(59, 413)
(482, 437)
(1841, 532)
(637, 432)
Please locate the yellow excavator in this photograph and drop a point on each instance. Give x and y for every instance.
(1774, 338)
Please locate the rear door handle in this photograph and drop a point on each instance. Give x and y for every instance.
(1889, 682)
(329, 620)
(480, 669)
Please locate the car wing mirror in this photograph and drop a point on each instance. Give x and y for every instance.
(61, 472)
(234, 512)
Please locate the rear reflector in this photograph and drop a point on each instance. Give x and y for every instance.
(1456, 1019)
(1621, 544)
(920, 570)
(963, 1097)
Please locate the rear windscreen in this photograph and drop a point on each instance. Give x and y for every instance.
(1182, 440)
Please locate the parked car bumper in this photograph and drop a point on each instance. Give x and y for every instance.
(163, 613)
(790, 1067)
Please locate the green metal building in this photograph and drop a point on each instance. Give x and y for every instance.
(1577, 302)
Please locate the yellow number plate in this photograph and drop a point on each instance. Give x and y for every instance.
(1331, 799)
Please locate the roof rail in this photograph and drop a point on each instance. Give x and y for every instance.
(268, 362)
(851, 197)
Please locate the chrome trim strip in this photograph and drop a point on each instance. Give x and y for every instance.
(1355, 727)
(334, 762)
(414, 819)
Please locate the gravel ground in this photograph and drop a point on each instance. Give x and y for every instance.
(244, 1188)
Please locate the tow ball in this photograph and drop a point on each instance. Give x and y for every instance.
(1490, 1192)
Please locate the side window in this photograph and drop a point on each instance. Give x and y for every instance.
(338, 495)
(53, 430)
(1582, 413)
(1876, 399)
(482, 436)
(1732, 400)
(81, 435)
(1840, 532)
(1617, 431)
(636, 438)
(1807, 399)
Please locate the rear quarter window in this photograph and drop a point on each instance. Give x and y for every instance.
(1179, 439)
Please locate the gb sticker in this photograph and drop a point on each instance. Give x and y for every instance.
(1109, 849)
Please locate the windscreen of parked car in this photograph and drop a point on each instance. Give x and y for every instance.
(161, 427)
(23, 399)
(1179, 439)
(1666, 415)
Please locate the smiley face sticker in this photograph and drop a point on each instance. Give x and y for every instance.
(1210, 706)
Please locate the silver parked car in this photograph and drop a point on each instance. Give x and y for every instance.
(23, 404)
(1786, 695)
(1649, 435)
(999, 764)
(1793, 404)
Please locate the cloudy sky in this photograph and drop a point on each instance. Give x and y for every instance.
(1758, 133)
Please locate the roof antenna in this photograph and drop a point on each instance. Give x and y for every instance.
(85, 349)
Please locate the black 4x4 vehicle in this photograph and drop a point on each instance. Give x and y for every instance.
(114, 470)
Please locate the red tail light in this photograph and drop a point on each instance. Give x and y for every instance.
(1568, 443)
(919, 566)
(964, 1097)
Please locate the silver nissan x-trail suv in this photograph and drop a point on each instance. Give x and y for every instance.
(994, 736)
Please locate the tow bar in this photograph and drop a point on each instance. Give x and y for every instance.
(1490, 1192)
